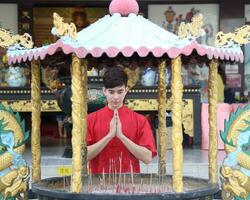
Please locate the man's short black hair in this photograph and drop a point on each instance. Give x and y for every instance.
(115, 77)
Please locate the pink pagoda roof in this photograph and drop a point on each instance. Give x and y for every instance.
(125, 32)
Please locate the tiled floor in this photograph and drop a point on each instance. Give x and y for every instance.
(195, 161)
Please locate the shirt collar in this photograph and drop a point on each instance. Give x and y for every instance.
(111, 112)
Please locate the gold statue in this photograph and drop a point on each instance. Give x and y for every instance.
(237, 183)
(14, 171)
(15, 182)
(50, 77)
(133, 76)
(63, 29)
(7, 39)
(235, 169)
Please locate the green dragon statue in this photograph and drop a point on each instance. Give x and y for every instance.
(235, 169)
(14, 171)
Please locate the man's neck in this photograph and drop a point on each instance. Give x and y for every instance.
(117, 108)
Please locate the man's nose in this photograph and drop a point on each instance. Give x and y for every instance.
(116, 96)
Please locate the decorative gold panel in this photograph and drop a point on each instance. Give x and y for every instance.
(25, 105)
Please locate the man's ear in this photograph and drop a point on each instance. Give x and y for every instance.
(104, 91)
(126, 89)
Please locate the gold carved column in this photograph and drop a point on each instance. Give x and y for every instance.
(177, 135)
(162, 117)
(84, 113)
(36, 120)
(212, 100)
(77, 119)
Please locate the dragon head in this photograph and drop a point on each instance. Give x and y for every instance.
(7, 139)
(236, 131)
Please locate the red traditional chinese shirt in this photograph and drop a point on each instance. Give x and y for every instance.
(134, 126)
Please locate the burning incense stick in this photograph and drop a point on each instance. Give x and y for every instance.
(90, 180)
(103, 179)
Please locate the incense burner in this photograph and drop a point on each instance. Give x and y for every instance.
(123, 186)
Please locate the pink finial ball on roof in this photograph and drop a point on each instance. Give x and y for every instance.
(124, 7)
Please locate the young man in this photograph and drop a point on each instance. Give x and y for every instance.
(117, 136)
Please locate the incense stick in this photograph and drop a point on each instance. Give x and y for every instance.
(103, 179)
(109, 171)
(132, 175)
(120, 162)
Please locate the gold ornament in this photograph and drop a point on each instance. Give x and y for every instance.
(235, 168)
(7, 39)
(50, 78)
(177, 136)
(234, 183)
(14, 176)
(239, 37)
(4, 59)
(212, 119)
(194, 28)
(187, 117)
(162, 117)
(5, 159)
(26, 105)
(36, 121)
(14, 182)
(84, 114)
(133, 76)
(77, 118)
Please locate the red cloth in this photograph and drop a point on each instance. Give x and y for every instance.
(134, 126)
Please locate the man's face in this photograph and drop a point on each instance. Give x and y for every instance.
(115, 96)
